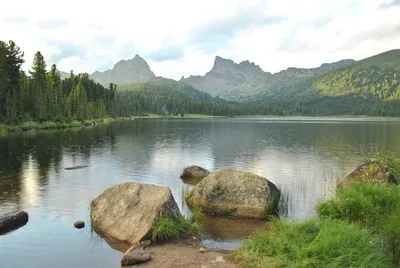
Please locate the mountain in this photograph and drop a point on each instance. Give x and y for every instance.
(125, 72)
(241, 81)
(367, 87)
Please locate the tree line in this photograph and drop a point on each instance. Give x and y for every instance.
(41, 95)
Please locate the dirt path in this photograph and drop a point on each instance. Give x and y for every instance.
(180, 255)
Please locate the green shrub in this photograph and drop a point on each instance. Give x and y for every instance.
(314, 243)
(173, 228)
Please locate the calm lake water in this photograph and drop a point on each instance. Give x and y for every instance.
(304, 157)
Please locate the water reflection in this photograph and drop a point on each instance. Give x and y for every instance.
(303, 158)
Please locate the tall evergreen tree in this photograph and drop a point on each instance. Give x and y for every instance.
(39, 85)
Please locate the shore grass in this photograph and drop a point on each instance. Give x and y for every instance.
(193, 116)
(33, 125)
(359, 227)
(314, 243)
(171, 228)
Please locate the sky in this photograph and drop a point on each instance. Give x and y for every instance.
(182, 37)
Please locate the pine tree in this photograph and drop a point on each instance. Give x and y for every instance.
(39, 83)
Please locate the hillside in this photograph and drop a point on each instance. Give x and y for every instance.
(176, 97)
(388, 59)
(368, 87)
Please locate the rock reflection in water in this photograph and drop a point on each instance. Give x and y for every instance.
(230, 228)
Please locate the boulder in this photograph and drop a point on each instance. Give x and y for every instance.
(371, 171)
(194, 172)
(235, 193)
(12, 220)
(136, 254)
(127, 211)
(79, 224)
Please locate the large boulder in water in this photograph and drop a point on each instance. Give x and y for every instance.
(194, 171)
(127, 211)
(235, 193)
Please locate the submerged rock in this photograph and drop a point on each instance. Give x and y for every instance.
(136, 254)
(235, 193)
(194, 172)
(79, 224)
(76, 167)
(127, 211)
(372, 171)
(12, 220)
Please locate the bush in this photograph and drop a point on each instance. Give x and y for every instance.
(314, 243)
(173, 228)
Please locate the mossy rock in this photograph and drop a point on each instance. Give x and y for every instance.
(370, 172)
(230, 192)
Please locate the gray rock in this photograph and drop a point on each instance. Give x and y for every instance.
(13, 220)
(128, 210)
(194, 172)
(235, 193)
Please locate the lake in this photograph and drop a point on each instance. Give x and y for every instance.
(304, 157)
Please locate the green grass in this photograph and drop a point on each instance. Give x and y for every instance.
(172, 228)
(374, 206)
(388, 160)
(33, 125)
(195, 214)
(314, 243)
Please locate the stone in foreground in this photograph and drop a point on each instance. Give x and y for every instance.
(373, 172)
(79, 224)
(127, 211)
(194, 172)
(12, 220)
(135, 255)
(235, 193)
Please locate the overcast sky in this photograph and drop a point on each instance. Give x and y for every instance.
(182, 37)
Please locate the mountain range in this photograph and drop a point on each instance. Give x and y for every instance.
(346, 85)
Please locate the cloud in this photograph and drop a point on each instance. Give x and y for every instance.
(16, 20)
(210, 36)
(52, 24)
(182, 37)
(66, 50)
(167, 53)
(390, 4)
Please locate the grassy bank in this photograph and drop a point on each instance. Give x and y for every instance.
(357, 228)
(179, 116)
(32, 125)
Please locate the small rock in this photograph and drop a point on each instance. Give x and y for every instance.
(194, 238)
(202, 250)
(79, 224)
(194, 172)
(144, 243)
(135, 255)
(219, 259)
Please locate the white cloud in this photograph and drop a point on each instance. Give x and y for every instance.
(311, 32)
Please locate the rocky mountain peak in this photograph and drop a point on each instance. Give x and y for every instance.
(126, 72)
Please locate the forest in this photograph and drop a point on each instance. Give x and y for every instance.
(41, 95)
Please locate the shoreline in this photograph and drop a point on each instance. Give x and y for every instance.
(34, 125)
